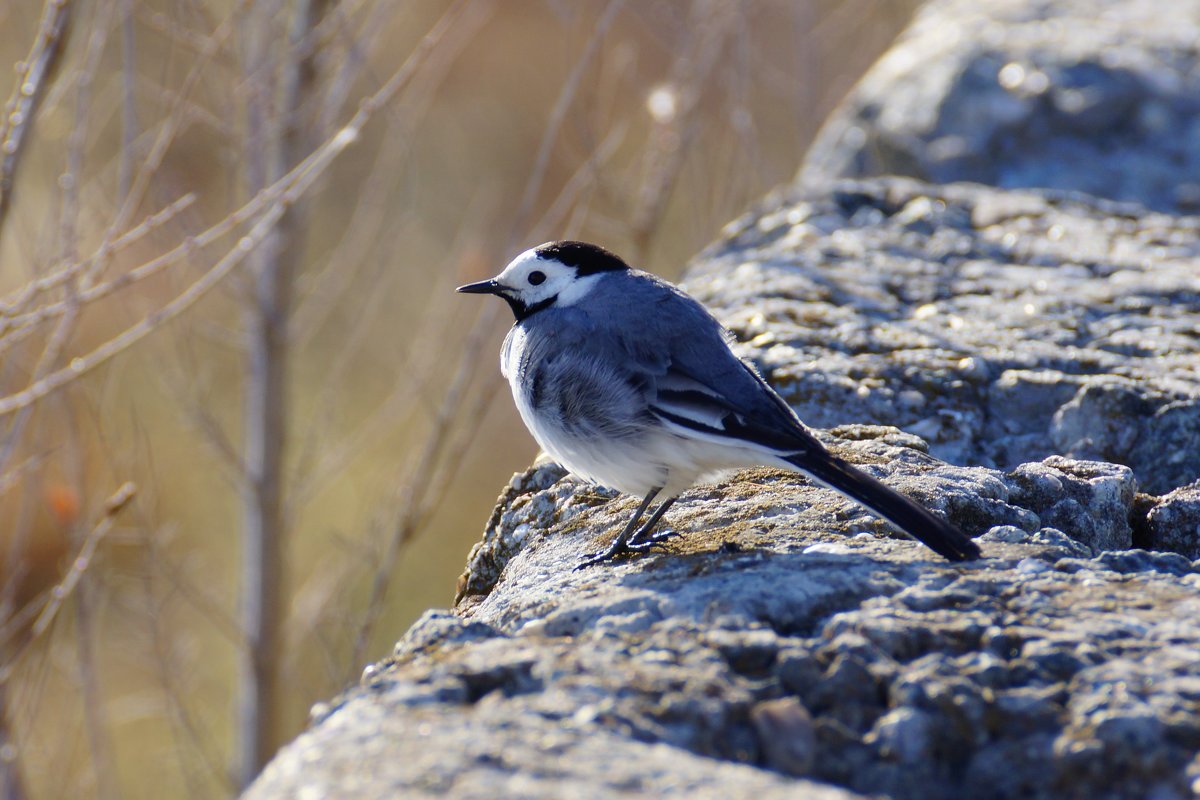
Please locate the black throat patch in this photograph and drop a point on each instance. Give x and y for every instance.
(521, 311)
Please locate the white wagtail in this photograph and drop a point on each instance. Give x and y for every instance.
(630, 383)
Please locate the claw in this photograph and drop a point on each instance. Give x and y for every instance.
(590, 559)
(640, 544)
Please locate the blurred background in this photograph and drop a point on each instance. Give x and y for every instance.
(248, 433)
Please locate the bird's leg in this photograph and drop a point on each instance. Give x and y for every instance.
(620, 544)
(643, 539)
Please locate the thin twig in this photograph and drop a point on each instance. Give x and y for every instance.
(371, 213)
(81, 365)
(87, 667)
(164, 137)
(32, 75)
(18, 328)
(59, 276)
(163, 635)
(334, 458)
(112, 507)
(407, 503)
(583, 179)
(353, 60)
(169, 28)
(129, 123)
(558, 115)
(286, 191)
(669, 145)
(173, 667)
(281, 194)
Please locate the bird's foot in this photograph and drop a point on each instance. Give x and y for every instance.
(640, 544)
(636, 544)
(618, 548)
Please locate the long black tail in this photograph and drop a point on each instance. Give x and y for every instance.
(903, 512)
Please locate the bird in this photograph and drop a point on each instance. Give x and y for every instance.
(630, 383)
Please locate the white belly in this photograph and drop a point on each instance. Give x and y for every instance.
(661, 456)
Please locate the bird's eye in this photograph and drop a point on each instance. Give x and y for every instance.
(537, 277)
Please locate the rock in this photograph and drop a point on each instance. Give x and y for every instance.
(998, 330)
(490, 554)
(1121, 421)
(1058, 489)
(1173, 522)
(1167, 445)
(786, 735)
(788, 642)
(1095, 422)
(738, 663)
(1095, 96)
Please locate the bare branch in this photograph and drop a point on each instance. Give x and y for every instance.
(59, 276)
(128, 109)
(665, 154)
(283, 193)
(32, 74)
(112, 507)
(275, 139)
(409, 503)
(583, 179)
(166, 133)
(370, 212)
(81, 365)
(558, 115)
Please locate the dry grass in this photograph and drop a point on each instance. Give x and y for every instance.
(232, 368)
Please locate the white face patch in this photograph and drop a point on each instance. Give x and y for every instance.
(577, 290)
(532, 279)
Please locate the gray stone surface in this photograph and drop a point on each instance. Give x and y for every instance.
(1097, 96)
(1000, 326)
(786, 646)
(1173, 522)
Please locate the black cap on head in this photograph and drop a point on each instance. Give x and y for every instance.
(587, 259)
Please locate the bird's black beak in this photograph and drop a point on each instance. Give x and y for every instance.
(483, 287)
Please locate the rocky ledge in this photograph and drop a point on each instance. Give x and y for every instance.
(788, 641)
(1096, 96)
(1031, 361)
